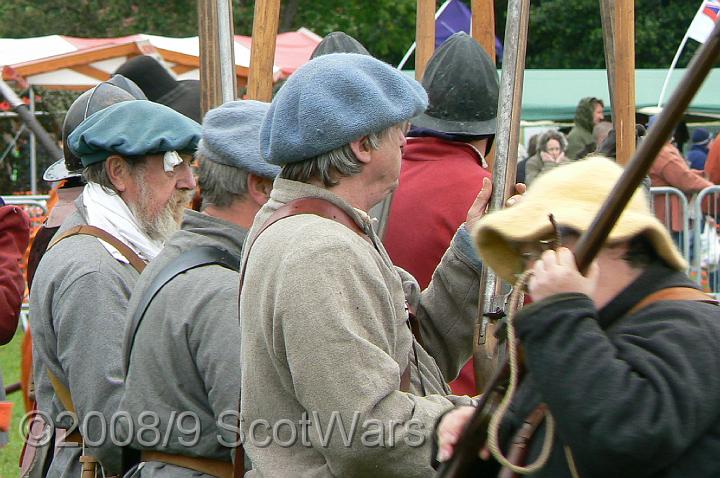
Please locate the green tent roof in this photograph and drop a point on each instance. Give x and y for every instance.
(554, 94)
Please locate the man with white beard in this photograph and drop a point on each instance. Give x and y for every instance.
(136, 157)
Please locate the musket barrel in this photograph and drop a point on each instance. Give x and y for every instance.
(505, 165)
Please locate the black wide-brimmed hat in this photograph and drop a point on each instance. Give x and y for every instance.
(159, 86)
(462, 84)
(338, 42)
(116, 89)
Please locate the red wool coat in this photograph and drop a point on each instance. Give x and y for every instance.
(14, 237)
(439, 181)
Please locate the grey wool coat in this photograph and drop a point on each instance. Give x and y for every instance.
(325, 343)
(77, 309)
(186, 354)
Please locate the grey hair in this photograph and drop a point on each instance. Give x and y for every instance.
(97, 173)
(552, 134)
(220, 184)
(329, 167)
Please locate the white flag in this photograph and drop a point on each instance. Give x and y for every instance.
(704, 21)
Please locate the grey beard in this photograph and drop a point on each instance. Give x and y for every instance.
(167, 221)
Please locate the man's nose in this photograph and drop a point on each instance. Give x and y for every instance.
(185, 178)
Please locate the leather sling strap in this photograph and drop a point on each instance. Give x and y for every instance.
(208, 466)
(191, 259)
(122, 248)
(520, 444)
(316, 206)
(673, 293)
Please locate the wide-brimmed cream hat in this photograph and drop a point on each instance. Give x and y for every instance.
(573, 194)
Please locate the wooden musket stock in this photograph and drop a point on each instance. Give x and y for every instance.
(465, 461)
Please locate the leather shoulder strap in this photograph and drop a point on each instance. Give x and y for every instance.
(196, 257)
(673, 293)
(317, 206)
(128, 253)
(61, 391)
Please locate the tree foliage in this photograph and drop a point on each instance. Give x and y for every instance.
(563, 34)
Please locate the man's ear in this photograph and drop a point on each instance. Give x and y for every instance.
(259, 188)
(361, 149)
(118, 172)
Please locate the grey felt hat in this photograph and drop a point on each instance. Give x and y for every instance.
(462, 85)
(231, 136)
(334, 100)
(338, 42)
(116, 89)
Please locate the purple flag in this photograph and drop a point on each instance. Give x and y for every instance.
(456, 17)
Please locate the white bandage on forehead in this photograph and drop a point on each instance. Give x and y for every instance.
(170, 160)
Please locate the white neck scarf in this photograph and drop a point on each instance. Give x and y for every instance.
(109, 212)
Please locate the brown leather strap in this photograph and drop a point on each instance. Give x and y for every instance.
(122, 248)
(74, 437)
(316, 206)
(673, 293)
(519, 446)
(221, 469)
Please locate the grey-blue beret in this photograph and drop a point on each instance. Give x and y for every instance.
(133, 128)
(231, 136)
(334, 100)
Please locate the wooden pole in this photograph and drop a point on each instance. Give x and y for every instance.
(424, 35)
(624, 103)
(607, 15)
(262, 52)
(483, 31)
(217, 59)
(483, 25)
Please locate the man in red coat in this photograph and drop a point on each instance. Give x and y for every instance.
(443, 163)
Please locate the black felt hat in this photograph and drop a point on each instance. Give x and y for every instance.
(338, 42)
(159, 86)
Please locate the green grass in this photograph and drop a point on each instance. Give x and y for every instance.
(10, 366)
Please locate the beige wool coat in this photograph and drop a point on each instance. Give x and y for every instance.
(325, 342)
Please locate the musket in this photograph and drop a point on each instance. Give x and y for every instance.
(491, 300)
(465, 459)
(29, 119)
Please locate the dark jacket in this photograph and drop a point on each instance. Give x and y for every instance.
(632, 395)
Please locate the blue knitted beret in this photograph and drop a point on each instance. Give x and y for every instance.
(231, 136)
(133, 128)
(334, 100)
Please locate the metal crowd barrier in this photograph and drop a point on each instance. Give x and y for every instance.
(682, 237)
(39, 201)
(705, 269)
